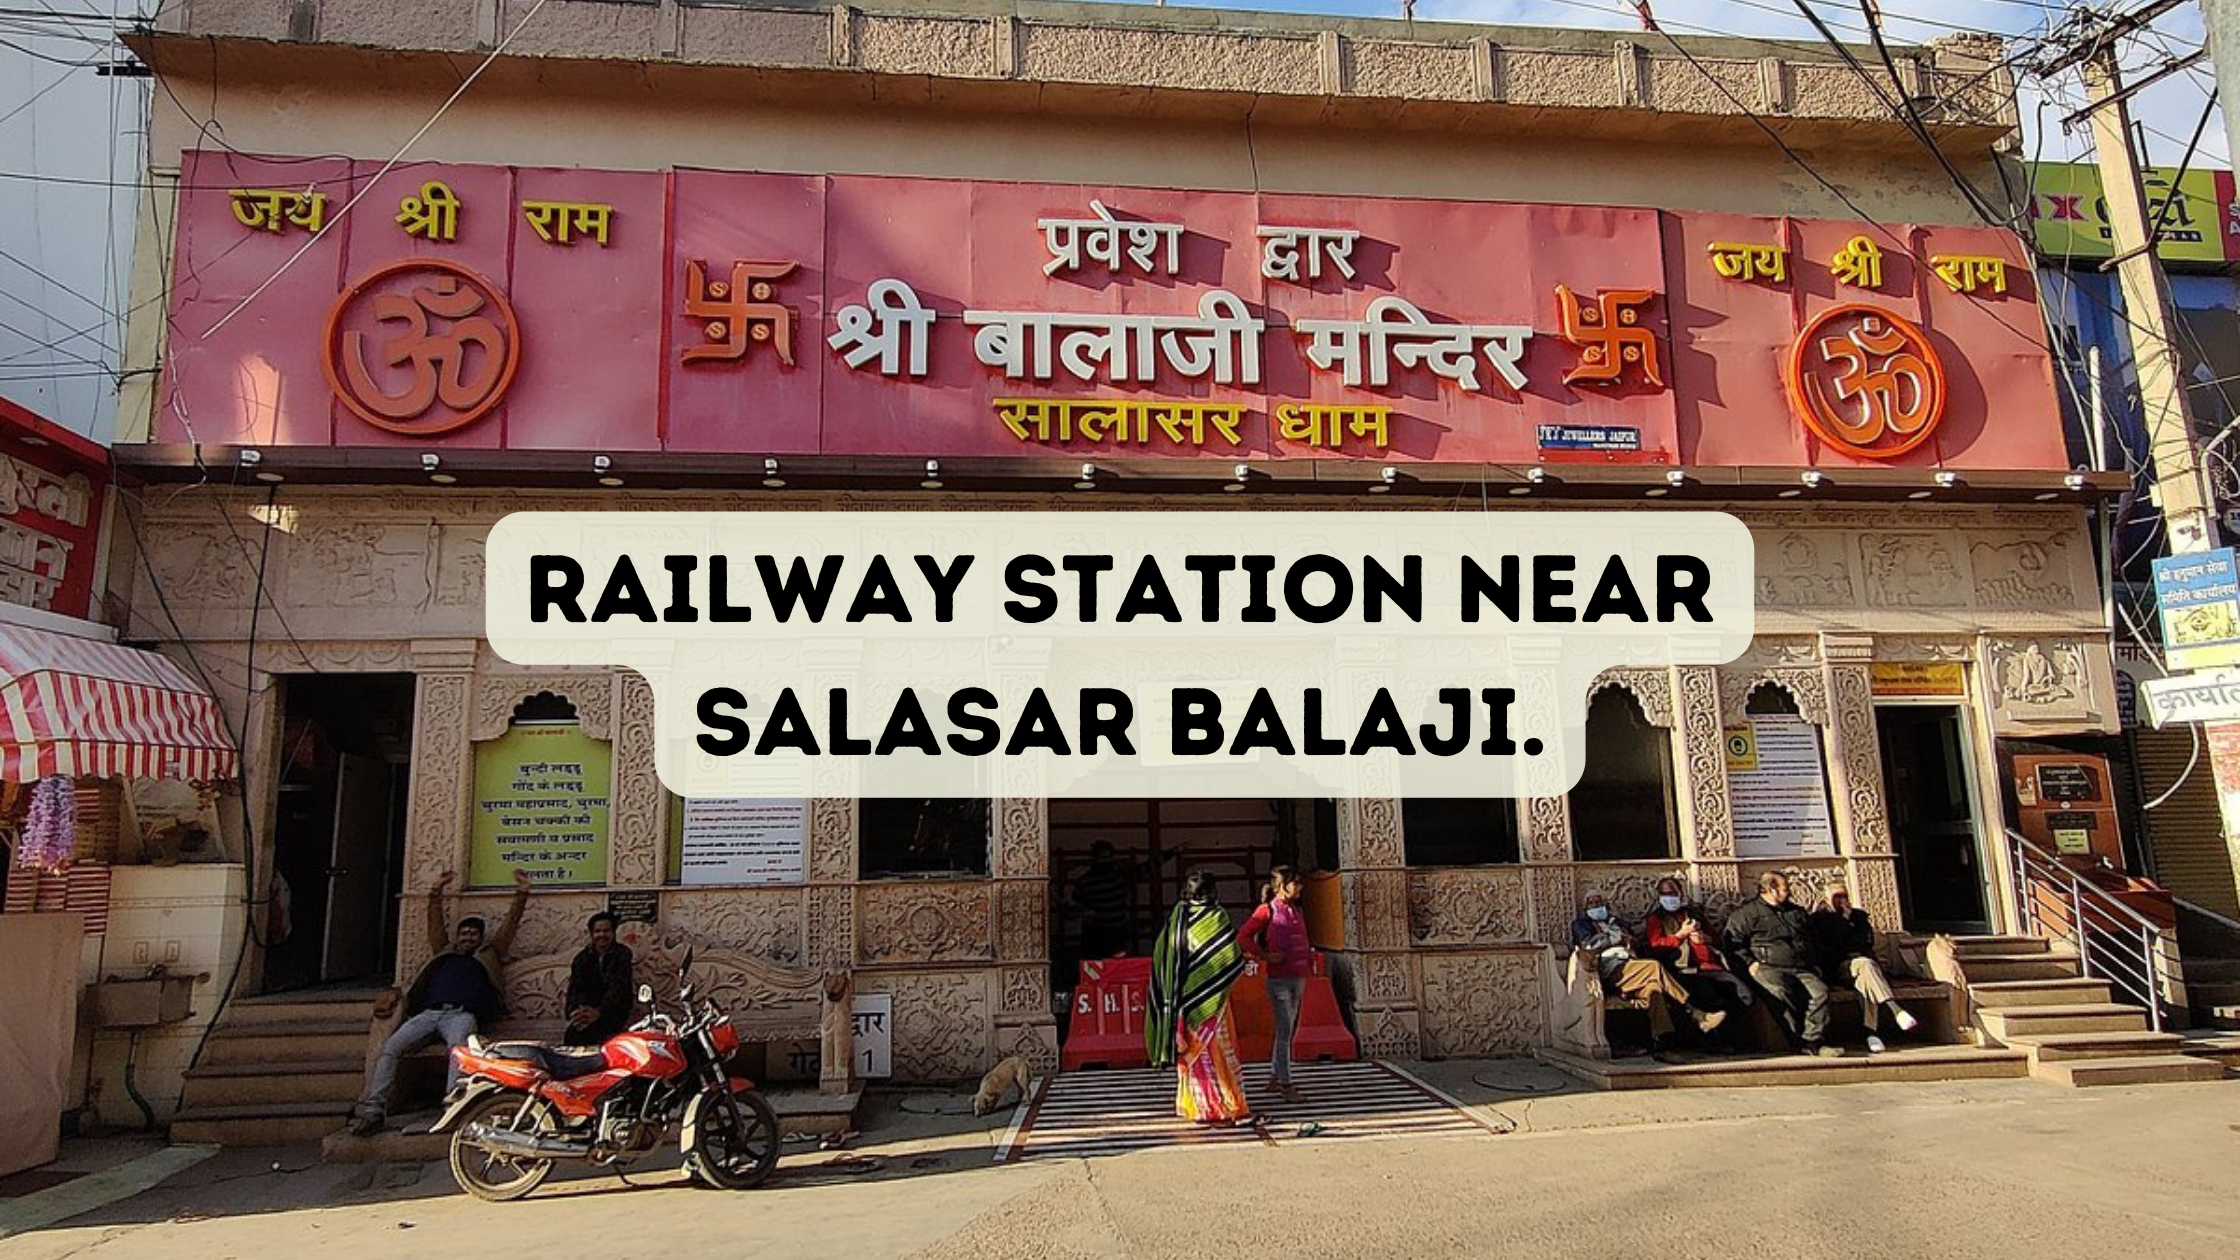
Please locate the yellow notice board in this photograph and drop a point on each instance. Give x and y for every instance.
(1918, 678)
(541, 792)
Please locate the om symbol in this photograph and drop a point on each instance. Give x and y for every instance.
(1866, 382)
(444, 345)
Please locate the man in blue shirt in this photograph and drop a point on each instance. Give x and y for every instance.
(456, 992)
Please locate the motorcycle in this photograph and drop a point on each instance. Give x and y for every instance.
(522, 1106)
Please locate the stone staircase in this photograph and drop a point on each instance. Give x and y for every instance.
(277, 1070)
(2030, 994)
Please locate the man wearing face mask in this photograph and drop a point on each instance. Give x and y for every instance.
(1775, 935)
(1679, 935)
(1612, 944)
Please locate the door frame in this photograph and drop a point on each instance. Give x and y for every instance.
(1976, 752)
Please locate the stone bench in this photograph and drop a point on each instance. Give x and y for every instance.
(768, 1002)
(1579, 1007)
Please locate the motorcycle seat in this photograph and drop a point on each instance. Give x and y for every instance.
(561, 1063)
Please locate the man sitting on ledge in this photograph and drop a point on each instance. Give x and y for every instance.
(454, 994)
(1845, 938)
(1773, 933)
(1606, 936)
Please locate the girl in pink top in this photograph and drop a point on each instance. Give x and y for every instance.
(1276, 936)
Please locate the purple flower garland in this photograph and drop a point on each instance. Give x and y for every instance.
(50, 831)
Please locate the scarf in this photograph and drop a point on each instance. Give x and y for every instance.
(1193, 963)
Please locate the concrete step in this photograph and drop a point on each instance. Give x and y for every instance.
(1975, 946)
(2153, 1069)
(2223, 1047)
(325, 1041)
(2054, 1047)
(2082, 1017)
(249, 1084)
(1911, 1063)
(275, 1012)
(2009, 994)
(271, 1124)
(2000, 968)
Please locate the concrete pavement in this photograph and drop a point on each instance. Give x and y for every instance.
(1976, 1169)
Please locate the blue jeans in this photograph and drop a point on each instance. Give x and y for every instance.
(1284, 993)
(452, 1028)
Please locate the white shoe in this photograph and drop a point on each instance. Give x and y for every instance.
(1874, 1044)
(1906, 1022)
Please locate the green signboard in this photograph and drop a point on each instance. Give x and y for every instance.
(540, 804)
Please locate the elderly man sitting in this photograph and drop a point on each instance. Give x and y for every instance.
(1844, 937)
(1615, 948)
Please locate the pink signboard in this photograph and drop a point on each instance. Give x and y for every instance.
(700, 311)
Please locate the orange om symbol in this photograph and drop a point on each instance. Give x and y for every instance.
(1609, 334)
(455, 343)
(1866, 382)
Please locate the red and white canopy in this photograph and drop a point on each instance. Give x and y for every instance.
(82, 707)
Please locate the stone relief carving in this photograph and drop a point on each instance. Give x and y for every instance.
(1466, 906)
(1482, 1004)
(1022, 836)
(1806, 687)
(458, 581)
(1380, 908)
(1703, 760)
(832, 837)
(1912, 570)
(1547, 822)
(634, 857)
(1026, 991)
(767, 923)
(1874, 888)
(941, 1024)
(498, 695)
(1631, 890)
(2028, 573)
(1921, 649)
(913, 922)
(1390, 1034)
(1767, 652)
(203, 568)
(1023, 920)
(362, 564)
(1555, 903)
(832, 926)
(435, 826)
(1376, 832)
(1036, 1043)
(1649, 688)
(1803, 569)
(1860, 761)
(1386, 978)
(2025, 674)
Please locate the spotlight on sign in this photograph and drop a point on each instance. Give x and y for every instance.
(770, 477)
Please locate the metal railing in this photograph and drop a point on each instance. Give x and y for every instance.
(2114, 942)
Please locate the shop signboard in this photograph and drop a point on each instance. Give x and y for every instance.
(52, 483)
(736, 840)
(2198, 595)
(691, 311)
(1779, 790)
(1893, 679)
(2069, 213)
(2211, 695)
(540, 804)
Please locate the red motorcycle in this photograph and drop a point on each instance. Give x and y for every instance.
(521, 1106)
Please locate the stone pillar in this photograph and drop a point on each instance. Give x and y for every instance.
(1023, 1023)
(1373, 874)
(638, 814)
(1700, 790)
(1855, 777)
(442, 774)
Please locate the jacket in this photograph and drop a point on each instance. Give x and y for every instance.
(492, 956)
(603, 981)
(1665, 947)
(1841, 936)
(1777, 936)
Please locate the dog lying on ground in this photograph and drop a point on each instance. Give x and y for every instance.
(1001, 1079)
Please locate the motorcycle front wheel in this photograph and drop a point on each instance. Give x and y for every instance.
(492, 1177)
(737, 1146)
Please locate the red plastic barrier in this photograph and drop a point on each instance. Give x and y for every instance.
(1321, 1036)
(1105, 1026)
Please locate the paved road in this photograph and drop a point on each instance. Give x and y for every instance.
(1982, 1169)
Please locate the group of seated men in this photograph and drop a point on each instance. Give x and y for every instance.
(1770, 948)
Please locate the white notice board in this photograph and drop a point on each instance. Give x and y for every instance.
(1778, 788)
(733, 840)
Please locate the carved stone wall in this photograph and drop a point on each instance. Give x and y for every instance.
(911, 921)
(763, 922)
(436, 809)
(1855, 764)
(1700, 761)
(1480, 905)
(942, 1023)
(637, 813)
(1547, 828)
(1482, 1004)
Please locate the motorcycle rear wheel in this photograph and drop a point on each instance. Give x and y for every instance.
(492, 1177)
(736, 1155)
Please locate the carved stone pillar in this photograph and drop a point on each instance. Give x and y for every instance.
(1699, 762)
(1855, 777)
(442, 773)
(1387, 1005)
(1024, 1023)
(637, 810)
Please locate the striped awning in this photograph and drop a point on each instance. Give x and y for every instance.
(82, 707)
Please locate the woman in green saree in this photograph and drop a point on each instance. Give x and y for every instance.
(1193, 964)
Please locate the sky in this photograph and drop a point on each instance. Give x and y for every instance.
(68, 134)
